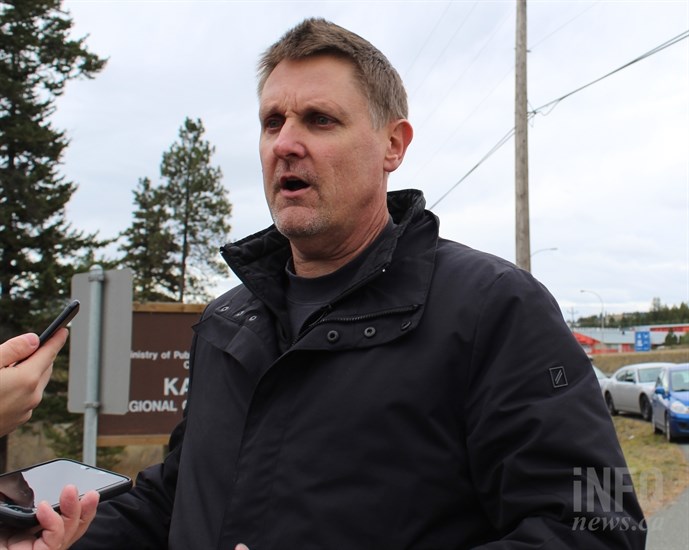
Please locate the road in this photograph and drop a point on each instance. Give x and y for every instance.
(668, 529)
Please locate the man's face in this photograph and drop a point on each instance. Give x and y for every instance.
(323, 162)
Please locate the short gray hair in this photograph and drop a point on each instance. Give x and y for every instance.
(379, 80)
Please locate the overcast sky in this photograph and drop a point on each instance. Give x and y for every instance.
(609, 166)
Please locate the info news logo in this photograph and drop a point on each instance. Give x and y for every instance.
(599, 495)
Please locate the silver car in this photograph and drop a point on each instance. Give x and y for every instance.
(603, 378)
(630, 389)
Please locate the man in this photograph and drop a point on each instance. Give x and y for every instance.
(371, 385)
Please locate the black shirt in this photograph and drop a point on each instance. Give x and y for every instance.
(305, 295)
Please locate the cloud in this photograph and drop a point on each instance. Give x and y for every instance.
(609, 176)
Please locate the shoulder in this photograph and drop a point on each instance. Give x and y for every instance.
(462, 256)
(481, 280)
(473, 267)
(231, 298)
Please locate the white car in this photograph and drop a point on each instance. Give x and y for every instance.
(630, 389)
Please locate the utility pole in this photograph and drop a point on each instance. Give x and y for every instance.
(521, 141)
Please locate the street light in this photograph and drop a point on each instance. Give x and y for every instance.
(602, 314)
(542, 250)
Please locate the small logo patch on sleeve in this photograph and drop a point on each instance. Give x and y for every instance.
(558, 377)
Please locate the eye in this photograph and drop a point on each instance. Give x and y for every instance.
(321, 120)
(272, 123)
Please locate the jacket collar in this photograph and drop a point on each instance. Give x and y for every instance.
(259, 259)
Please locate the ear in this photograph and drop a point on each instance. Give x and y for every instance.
(400, 134)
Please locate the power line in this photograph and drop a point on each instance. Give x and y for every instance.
(428, 38)
(429, 159)
(459, 126)
(552, 104)
(504, 139)
(549, 35)
(447, 45)
(661, 47)
(439, 103)
(461, 75)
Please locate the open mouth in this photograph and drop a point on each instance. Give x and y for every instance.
(294, 184)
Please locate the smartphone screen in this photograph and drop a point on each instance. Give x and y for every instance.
(22, 490)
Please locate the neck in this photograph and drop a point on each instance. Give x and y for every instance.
(314, 261)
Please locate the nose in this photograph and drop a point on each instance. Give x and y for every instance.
(289, 141)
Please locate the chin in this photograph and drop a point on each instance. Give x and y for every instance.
(294, 227)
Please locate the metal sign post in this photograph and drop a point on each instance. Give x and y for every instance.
(100, 348)
(91, 403)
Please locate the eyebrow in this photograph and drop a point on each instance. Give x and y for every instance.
(324, 106)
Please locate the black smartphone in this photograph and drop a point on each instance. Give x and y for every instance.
(22, 490)
(66, 315)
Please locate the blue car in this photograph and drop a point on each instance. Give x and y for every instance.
(670, 402)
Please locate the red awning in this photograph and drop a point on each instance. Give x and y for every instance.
(585, 340)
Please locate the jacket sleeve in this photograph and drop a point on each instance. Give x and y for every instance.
(543, 450)
(140, 518)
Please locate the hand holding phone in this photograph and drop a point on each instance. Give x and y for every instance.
(21, 388)
(65, 316)
(22, 490)
(55, 530)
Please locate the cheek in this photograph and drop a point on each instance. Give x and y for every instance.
(367, 160)
(263, 154)
(362, 155)
(267, 165)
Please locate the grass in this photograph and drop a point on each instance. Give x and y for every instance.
(659, 469)
(610, 362)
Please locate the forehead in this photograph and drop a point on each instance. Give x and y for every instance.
(315, 78)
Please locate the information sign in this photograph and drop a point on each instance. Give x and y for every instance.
(159, 379)
(642, 340)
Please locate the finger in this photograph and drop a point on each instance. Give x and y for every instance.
(79, 513)
(17, 348)
(241, 546)
(44, 356)
(44, 379)
(89, 506)
(70, 510)
(54, 344)
(53, 533)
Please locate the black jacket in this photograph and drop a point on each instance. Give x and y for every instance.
(440, 402)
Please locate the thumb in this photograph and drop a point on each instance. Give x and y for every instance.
(18, 348)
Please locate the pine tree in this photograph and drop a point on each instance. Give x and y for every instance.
(38, 246)
(39, 250)
(150, 247)
(200, 209)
